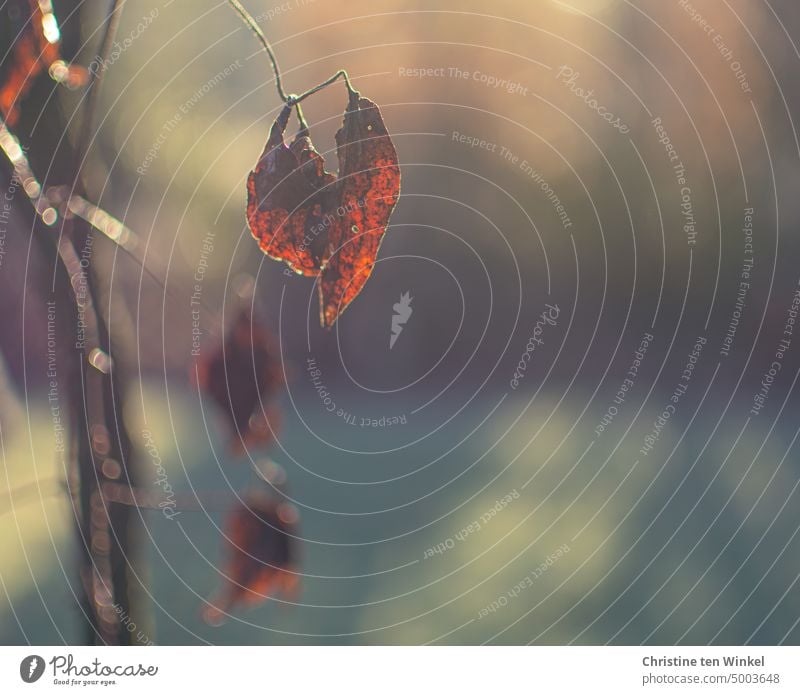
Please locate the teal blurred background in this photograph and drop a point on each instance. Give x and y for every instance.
(694, 541)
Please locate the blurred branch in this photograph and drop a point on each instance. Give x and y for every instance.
(93, 89)
(116, 231)
(24, 493)
(11, 147)
(138, 497)
(57, 200)
(103, 445)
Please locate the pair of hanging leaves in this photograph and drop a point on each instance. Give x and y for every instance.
(36, 47)
(242, 376)
(261, 555)
(321, 224)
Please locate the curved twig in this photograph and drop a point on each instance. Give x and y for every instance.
(248, 19)
(291, 99)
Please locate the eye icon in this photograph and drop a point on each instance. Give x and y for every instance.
(31, 668)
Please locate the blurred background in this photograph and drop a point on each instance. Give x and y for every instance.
(628, 168)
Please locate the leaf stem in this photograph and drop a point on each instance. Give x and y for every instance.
(329, 81)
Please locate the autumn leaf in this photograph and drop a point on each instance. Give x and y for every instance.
(319, 223)
(369, 177)
(242, 377)
(286, 195)
(260, 554)
(36, 48)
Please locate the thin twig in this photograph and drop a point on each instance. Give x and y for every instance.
(329, 81)
(248, 19)
(150, 498)
(291, 99)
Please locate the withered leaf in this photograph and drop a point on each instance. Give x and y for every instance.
(286, 195)
(319, 223)
(241, 377)
(369, 177)
(260, 554)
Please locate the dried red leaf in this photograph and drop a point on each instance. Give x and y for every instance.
(370, 180)
(287, 193)
(241, 377)
(261, 554)
(320, 223)
(36, 48)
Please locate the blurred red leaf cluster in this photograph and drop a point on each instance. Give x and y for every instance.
(36, 48)
(260, 554)
(241, 377)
